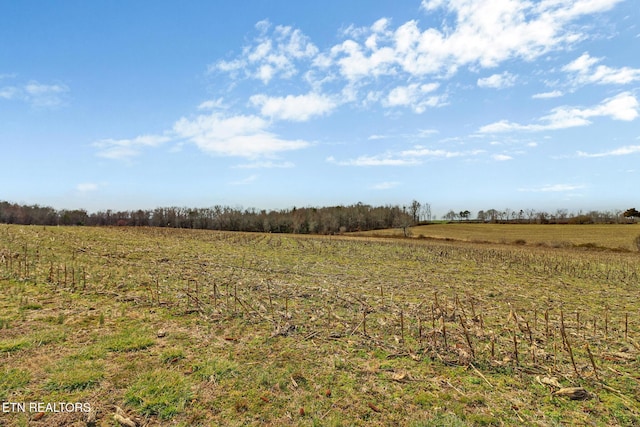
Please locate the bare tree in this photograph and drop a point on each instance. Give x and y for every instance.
(414, 209)
(451, 215)
(426, 212)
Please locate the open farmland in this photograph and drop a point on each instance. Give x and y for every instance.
(187, 327)
(593, 236)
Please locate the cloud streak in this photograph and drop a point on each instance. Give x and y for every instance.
(553, 188)
(126, 149)
(411, 157)
(547, 95)
(621, 151)
(623, 106)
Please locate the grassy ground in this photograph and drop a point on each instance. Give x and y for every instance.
(181, 327)
(611, 236)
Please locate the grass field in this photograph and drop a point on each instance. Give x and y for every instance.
(184, 327)
(610, 236)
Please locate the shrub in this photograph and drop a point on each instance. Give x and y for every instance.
(581, 219)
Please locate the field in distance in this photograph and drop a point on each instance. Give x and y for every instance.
(609, 236)
(158, 327)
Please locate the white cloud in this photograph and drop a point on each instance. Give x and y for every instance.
(482, 33)
(272, 54)
(9, 92)
(432, 4)
(87, 187)
(426, 133)
(43, 95)
(404, 158)
(419, 151)
(414, 96)
(420, 134)
(585, 72)
(245, 181)
(217, 134)
(501, 157)
(240, 135)
(623, 106)
(387, 185)
(374, 161)
(547, 95)
(553, 188)
(474, 34)
(295, 108)
(498, 81)
(37, 94)
(212, 104)
(268, 164)
(622, 151)
(124, 149)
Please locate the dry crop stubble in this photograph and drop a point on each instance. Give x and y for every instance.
(281, 329)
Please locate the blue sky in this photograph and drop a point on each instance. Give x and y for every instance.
(464, 104)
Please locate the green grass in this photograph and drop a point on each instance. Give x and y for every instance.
(265, 329)
(217, 369)
(74, 375)
(129, 340)
(15, 344)
(159, 393)
(12, 379)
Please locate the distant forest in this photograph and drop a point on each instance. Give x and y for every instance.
(305, 220)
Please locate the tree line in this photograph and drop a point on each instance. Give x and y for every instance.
(533, 216)
(305, 220)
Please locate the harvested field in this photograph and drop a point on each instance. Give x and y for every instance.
(185, 327)
(591, 236)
